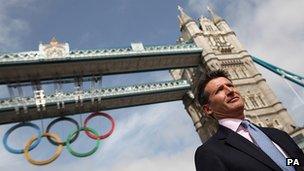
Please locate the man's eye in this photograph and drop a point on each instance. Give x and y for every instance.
(219, 89)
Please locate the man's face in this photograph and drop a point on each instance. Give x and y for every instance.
(225, 100)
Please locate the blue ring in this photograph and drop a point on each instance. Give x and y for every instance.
(20, 151)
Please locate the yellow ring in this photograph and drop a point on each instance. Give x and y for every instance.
(43, 162)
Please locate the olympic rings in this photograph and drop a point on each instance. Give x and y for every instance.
(55, 139)
(20, 151)
(53, 123)
(43, 162)
(82, 154)
(99, 114)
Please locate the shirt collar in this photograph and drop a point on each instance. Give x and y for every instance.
(230, 123)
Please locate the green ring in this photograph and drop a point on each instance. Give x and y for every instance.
(74, 153)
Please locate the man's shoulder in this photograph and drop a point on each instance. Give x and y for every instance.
(210, 144)
(277, 135)
(205, 148)
(274, 131)
(208, 156)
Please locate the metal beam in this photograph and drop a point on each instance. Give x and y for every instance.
(32, 66)
(60, 104)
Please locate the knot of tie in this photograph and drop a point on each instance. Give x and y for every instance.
(245, 124)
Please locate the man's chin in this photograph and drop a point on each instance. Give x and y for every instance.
(238, 105)
(237, 112)
(237, 116)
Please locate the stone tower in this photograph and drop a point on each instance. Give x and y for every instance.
(222, 49)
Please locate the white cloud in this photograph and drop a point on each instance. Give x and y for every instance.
(177, 162)
(12, 28)
(199, 7)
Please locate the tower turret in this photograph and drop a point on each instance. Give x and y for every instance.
(191, 31)
(183, 17)
(214, 16)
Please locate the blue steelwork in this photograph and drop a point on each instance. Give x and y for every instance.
(77, 55)
(106, 93)
(71, 103)
(295, 78)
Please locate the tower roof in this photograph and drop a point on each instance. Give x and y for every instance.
(54, 41)
(215, 17)
(183, 17)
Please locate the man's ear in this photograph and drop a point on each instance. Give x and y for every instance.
(207, 110)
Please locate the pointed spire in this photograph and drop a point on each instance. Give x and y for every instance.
(180, 21)
(179, 8)
(53, 41)
(183, 17)
(215, 17)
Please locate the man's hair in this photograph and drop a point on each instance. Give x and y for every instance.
(203, 96)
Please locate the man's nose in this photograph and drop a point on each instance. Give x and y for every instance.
(229, 90)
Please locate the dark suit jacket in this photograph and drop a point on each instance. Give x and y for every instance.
(227, 150)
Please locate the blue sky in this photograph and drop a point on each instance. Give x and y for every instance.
(152, 137)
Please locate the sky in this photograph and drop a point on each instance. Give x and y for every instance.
(150, 137)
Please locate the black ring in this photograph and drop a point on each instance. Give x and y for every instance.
(62, 119)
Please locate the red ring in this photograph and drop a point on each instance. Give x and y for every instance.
(94, 114)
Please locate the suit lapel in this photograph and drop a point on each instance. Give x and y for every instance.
(279, 141)
(242, 144)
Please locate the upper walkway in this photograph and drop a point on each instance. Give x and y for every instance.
(33, 66)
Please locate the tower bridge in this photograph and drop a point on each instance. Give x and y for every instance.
(36, 65)
(206, 44)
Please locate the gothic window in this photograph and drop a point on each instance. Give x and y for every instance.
(235, 68)
(231, 73)
(261, 100)
(211, 40)
(209, 28)
(217, 39)
(223, 38)
(253, 101)
(246, 104)
(221, 27)
(236, 73)
(244, 73)
(222, 45)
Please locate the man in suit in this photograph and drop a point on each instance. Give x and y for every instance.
(234, 146)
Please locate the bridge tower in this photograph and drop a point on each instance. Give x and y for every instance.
(222, 49)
